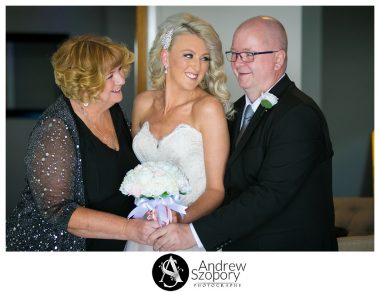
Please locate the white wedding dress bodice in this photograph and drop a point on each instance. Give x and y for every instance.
(182, 147)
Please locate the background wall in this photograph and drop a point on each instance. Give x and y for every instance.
(117, 22)
(348, 94)
(331, 55)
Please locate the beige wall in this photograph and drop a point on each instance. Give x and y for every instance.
(226, 18)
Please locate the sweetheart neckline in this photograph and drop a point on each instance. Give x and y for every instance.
(146, 124)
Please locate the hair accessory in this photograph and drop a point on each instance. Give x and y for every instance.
(167, 39)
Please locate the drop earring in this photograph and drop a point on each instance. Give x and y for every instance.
(166, 69)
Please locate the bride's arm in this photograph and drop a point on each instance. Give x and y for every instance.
(210, 119)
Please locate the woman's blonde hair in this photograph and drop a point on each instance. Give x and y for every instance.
(215, 79)
(82, 62)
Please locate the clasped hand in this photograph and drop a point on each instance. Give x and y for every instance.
(173, 236)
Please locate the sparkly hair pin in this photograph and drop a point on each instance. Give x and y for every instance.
(167, 39)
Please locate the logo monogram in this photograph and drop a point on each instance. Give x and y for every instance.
(170, 272)
(173, 274)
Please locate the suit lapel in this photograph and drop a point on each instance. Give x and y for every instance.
(255, 121)
(235, 125)
(281, 86)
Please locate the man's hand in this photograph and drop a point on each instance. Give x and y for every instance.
(172, 237)
(139, 230)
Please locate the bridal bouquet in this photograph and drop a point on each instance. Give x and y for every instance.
(157, 188)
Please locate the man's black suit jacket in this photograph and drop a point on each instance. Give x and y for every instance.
(278, 180)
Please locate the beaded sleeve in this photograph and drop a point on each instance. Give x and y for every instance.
(54, 186)
(50, 163)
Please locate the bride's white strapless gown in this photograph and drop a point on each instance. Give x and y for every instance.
(182, 147)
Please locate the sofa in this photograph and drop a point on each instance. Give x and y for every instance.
(354, 221)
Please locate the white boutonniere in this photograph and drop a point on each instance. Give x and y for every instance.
(268, 100)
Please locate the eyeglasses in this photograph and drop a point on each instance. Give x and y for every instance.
(246, 57)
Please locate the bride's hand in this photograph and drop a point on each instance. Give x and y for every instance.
(174, 216)
(151, 215)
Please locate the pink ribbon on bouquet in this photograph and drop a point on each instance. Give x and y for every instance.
(161, 206)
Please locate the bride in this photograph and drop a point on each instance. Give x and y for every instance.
(183, 120)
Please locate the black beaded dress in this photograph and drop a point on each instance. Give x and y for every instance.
(68, 167)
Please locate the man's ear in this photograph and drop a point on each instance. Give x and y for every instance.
(280, 59)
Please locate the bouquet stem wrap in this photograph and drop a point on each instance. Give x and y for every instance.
(161, 207)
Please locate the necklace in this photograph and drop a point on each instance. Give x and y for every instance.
(111, 143)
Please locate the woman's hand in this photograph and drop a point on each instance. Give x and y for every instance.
(139, 229)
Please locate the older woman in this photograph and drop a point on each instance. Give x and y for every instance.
(77, 156)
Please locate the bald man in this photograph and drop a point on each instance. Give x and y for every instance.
(278, 180)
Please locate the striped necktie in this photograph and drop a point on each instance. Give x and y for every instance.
(248, 114)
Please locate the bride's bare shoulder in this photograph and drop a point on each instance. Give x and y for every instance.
(208, 104)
